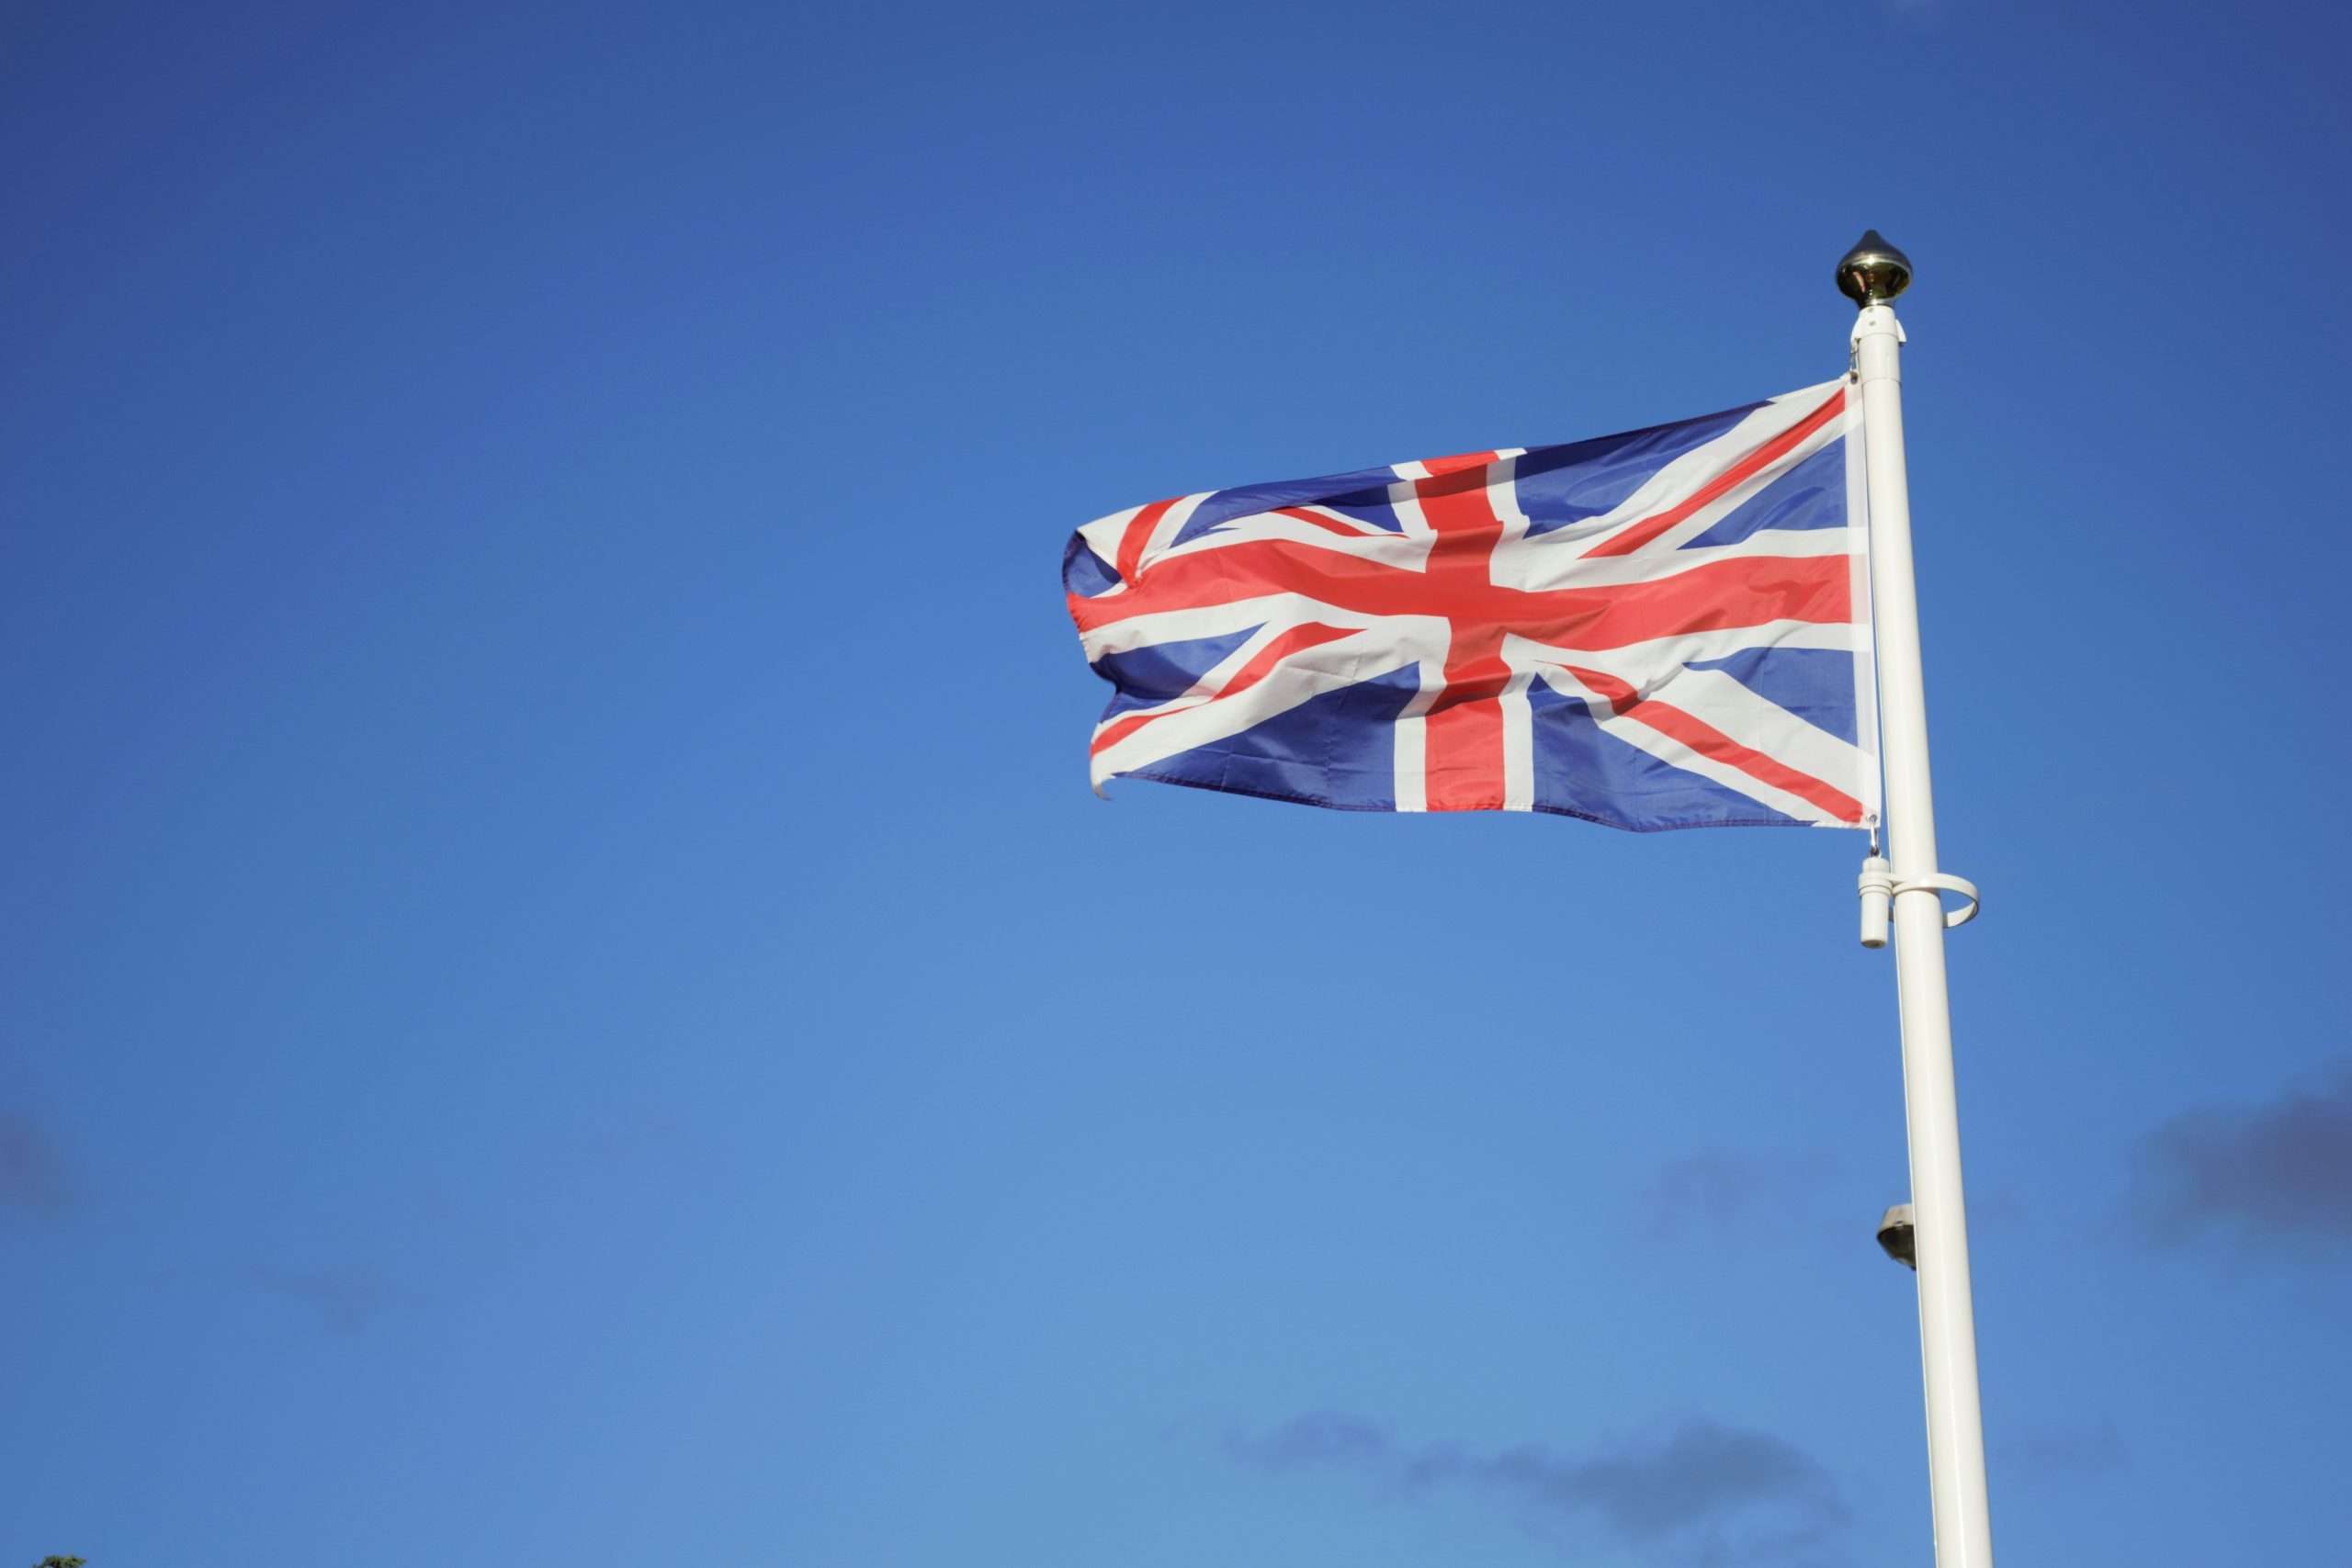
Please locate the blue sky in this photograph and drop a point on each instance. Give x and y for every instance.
(568, 1001)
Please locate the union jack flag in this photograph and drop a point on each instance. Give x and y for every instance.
(1666, 628)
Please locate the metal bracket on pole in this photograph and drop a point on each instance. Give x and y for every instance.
(1880, 889)
(1941, 882)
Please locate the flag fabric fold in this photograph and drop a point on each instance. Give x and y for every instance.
(1665, 629)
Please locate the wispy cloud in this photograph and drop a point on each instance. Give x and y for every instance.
(32, 1173)
(346, 1300)
(1318, 1438)
(1702, 1492)
(2067, 1453)
(1715, 1191)
(2278, 1171)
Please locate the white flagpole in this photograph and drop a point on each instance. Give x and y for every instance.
(1871, 274)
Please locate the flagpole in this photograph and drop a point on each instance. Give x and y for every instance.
(1871, 274)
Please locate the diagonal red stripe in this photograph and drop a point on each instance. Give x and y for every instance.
(1682, 725)
(1138, 534)
(1739, 473)
(1295, 640)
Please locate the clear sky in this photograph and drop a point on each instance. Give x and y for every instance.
(567, 1001)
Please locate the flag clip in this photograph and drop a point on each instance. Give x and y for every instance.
(1877, 883)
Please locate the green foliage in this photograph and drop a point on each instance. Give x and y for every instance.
(59, 1563)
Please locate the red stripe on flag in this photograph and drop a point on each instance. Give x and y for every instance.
(1295, 640)
(1461, 462)
(1463, 741)
(1762, 457)
(1138, 534)
(1743, 591)
(1707, 740)
(1747, 591)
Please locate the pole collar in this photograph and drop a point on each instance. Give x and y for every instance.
(1940, 883)
(1880, 888)
(1876, 321)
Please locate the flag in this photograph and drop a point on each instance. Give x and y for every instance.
(1666, 628)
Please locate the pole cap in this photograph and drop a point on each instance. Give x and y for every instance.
(1873, 272)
